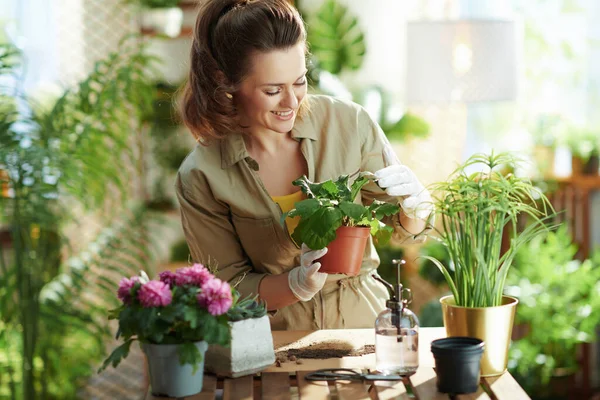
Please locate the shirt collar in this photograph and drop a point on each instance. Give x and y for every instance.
(233, 148)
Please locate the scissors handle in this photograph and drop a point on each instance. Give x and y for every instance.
(333, 374)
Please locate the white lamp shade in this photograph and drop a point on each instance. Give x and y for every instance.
(461, 61)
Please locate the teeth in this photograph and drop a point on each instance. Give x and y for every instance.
(282, 114)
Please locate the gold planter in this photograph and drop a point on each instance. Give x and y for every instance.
(493, 325)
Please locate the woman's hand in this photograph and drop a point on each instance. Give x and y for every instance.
(398, 180)
(306, 280)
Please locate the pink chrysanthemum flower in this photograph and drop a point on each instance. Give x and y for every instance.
(124, 290)
(195, 275)
(215, 296)
(155, 294)
(168, 277)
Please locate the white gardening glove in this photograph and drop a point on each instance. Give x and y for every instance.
(398, 180)
(306, 280)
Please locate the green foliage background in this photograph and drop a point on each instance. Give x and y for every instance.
(76, 154)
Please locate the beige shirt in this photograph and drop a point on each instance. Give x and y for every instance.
(229, 217)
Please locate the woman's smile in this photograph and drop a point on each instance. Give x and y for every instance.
(284, 115)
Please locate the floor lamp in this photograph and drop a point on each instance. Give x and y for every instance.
(451, 64)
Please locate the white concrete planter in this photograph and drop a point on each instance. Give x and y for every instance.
(251, 349)
(165, 21)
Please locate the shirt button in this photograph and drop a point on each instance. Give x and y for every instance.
(252, 163)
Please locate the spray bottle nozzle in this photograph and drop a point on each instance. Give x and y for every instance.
(396, 303)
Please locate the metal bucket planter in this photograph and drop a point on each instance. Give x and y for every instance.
(493, 325)
(251, 349)
(167, 376)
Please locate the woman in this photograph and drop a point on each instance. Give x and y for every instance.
(246, 103)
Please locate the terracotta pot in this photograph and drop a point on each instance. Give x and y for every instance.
(589, 167)
(345, 253)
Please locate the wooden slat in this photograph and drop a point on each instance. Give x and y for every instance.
(352, 390)
(504, 387)
(275, 386)
(308, 390)
(209, 387)
(479, 395)
(424, 385)
(386, 390)
(238, 388)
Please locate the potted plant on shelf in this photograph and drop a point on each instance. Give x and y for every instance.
(545, 130)
(251, 348)
(585, 150)
(174, 318)
(476, 211)
(160, 16)
(330, 218)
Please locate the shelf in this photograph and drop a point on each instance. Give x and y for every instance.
(188, 5)
(186, 32)
(581, 181)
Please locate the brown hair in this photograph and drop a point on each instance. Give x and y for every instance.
(225, 35)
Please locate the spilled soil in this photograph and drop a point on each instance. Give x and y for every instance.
(324, 350)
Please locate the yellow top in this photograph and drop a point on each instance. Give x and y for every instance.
(287, 203)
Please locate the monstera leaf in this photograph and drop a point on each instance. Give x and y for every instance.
(335, 38)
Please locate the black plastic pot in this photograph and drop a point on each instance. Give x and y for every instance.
(457, 364)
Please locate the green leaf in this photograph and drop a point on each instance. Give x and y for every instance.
(190, 315)
(330, 190)
(318, 230)
(335, 38)
(408, 125)
(308, 188)
(383, 235)
(303, 209)
(117, 355)
(355, 211)
(357, 186)
(189, 354)
(381, 209)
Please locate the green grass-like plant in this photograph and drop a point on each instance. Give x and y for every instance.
(475, 210)
(330, 205)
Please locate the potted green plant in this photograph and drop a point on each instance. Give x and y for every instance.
(251, 347)
(330, 218)
(476, 210)
(377, 102)
(160, 16)
(546, 129)
(584, 144)
(559, 304)
(174, 318)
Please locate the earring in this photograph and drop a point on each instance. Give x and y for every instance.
(228, 95)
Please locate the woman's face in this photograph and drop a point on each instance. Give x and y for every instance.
(269, 97)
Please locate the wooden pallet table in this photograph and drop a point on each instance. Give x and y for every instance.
(287, 381)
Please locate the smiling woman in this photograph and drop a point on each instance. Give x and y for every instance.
(246, 104)
(270, 96)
